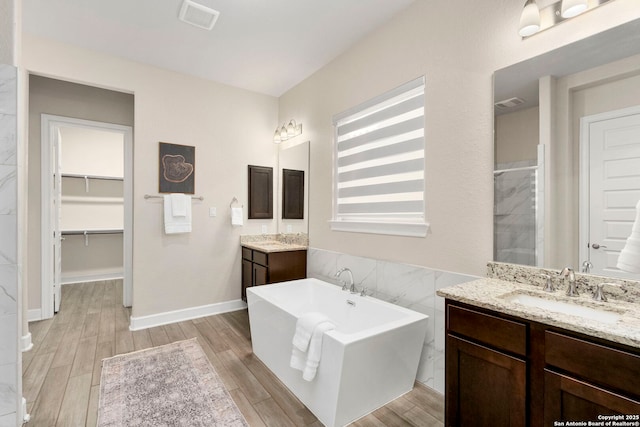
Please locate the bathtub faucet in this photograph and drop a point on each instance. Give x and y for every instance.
(350, 285)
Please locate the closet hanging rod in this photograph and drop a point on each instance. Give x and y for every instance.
(110, 178)
(150, 196)
(85, 232)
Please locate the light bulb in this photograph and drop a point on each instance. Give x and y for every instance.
(291, 128)
(529, 19)
(571, 8)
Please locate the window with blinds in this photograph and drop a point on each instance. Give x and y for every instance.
(379, 164)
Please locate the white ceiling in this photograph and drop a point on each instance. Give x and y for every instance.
(267, 46)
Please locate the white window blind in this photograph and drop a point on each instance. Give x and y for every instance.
(379, 164)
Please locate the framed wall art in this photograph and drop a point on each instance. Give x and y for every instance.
(177, 168)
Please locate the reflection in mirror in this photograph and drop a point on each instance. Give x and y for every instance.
(568, 121)
(293, 156)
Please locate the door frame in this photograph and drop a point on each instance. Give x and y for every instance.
(584, 194)
(49, 126)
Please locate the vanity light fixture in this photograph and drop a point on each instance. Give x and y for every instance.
(287, 131)
(533, 19)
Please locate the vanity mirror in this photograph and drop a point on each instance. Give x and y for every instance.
(567, 153)
(293, 187)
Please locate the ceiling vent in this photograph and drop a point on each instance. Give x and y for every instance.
(509, 103)
(196, 14)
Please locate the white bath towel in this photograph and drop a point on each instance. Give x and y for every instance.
(315, 351)
(305, 326)
(307, 343)
(176, 224)
(179, 204)
(237, 216)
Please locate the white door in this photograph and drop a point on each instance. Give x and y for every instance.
(614, 188)
(57, 215)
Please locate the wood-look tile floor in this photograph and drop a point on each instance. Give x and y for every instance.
(61, 374)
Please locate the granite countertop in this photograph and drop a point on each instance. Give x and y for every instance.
(493, 293)
(269, 246)
(282, 242)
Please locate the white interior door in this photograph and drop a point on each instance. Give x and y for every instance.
(614, 188)
(57, 216)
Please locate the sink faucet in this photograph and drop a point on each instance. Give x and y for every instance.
(586, 267)
(351, 285)
(571, 290)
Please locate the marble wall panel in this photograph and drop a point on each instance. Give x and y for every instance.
(9, 310)
(406, 285)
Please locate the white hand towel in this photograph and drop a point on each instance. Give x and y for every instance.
(179, 204)
(315, 350)
(176, 224)
(236, 216)
(305, 326)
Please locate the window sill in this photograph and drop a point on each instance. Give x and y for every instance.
(392, 229)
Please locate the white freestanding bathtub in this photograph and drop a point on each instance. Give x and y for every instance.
(370, 358)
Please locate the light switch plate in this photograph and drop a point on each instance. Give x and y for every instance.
(289, 228)
(213, 212)
(264, 229)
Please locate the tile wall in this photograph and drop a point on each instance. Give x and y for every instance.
(8, 248)
(515, 214)
(406, 285)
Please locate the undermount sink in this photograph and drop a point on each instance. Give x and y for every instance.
(572, 309)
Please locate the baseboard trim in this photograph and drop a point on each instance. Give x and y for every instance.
(34, 315)
(91, 278)
(144, 322)
(25, 342)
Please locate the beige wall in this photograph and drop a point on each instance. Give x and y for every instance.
(457, 45)
(517, 136)
(230, 129)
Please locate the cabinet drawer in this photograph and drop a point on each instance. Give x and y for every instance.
(247, 254)
(497, 332)
(602, 365)
(261, 258)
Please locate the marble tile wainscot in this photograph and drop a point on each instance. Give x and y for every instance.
(10, 389)
(406, 285)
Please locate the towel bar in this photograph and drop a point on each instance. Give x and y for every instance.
(149, 196)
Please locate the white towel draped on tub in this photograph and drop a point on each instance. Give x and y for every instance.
(177, 213)
(307, 343)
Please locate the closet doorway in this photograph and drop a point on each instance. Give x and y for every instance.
(87, 209)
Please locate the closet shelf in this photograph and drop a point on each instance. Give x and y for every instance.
(109, 178)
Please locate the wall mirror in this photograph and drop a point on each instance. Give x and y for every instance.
(293, 187)
(567, 154)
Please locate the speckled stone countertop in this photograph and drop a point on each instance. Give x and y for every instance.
(275, 242)
(493, 294)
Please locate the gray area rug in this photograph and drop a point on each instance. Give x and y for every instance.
(171, 385)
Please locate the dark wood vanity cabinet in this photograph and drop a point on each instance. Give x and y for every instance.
(507, 371)
(486, 369)
(262, 268)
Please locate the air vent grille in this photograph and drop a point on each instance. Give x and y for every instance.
(509, 103)
(196, 14)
